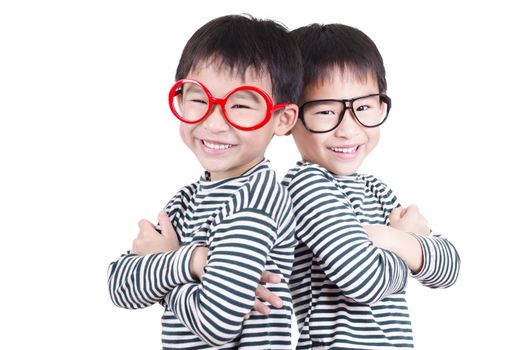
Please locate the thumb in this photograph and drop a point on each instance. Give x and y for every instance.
(413, 209)
(395, 214)
(165, 223)
(145, 225)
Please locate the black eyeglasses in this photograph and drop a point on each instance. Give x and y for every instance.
(322, 116)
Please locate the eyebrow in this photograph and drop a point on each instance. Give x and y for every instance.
(246, 94)
(193, 88)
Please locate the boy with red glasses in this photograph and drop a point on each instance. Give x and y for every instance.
(347, 291)
(235, 81)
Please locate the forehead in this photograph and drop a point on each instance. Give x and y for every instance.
(220, 78)
(341, 83)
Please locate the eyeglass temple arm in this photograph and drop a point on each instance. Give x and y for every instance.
(280, 106)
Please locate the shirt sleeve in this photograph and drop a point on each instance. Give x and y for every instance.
(441, 262)
(327, 225)
(139, 281)
(214, 309)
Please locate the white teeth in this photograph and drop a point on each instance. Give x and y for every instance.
(216, 145)
(344, 150)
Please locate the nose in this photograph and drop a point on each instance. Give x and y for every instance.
(348, 126)
(215, 121)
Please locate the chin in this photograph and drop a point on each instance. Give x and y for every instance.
(344, 170)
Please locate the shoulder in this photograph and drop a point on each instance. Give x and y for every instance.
(305, 171)
(378, 188)
(309, 182)
(264, 179)
(258, 190)
(373, 181)
(183, 196)
(251, 207)
(264, 175)
(265, 188)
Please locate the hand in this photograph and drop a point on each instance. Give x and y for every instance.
(409, 220)
(398, 241)
(264, 294)
(150, 241)
(379, 234)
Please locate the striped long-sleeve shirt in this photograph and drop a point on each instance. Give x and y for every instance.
(248, 225)
(347, 293)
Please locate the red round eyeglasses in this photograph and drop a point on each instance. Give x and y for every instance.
(246, 107)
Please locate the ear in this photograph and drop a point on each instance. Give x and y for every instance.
(287, 120)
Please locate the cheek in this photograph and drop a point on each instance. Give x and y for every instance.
(373, 138)
(257, 141)
(308, 143)
(186, 133)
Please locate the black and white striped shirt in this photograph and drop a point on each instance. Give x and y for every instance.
(248, 225)
(347, 293)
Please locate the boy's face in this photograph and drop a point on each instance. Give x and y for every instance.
(223, 150)
(342, 150)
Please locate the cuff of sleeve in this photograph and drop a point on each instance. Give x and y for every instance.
(169, 298)
(428, 256)
(399, 273)
(182, 264)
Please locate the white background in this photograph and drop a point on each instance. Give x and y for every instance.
(88, 147)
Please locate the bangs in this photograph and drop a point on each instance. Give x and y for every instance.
(327, 74)
(236, 67)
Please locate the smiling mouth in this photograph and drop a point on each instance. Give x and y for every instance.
(345, 149)
(216, 146)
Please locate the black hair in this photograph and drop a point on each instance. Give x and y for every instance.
(330, 46)
(242, 42)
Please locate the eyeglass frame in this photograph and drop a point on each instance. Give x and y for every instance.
(384, 97)
(270, 108)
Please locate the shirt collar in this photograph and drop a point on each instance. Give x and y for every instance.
(205, 183)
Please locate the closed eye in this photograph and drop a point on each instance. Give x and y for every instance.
(240, 106)
(196, 100)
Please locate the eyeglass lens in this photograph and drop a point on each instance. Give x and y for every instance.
(244, 108)
(326, 115)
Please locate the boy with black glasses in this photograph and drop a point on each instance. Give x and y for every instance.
(236, 82)
(347, 291)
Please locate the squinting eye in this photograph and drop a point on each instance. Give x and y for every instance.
(240, 107)
(327, 112)
(198, 101)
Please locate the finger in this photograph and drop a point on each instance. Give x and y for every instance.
(165, 224)
(413, 208)
(137, 247)
(264, 294)
(145, 226)
(246, 317)
(261, 308)
(270, 277)
(395, 214)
